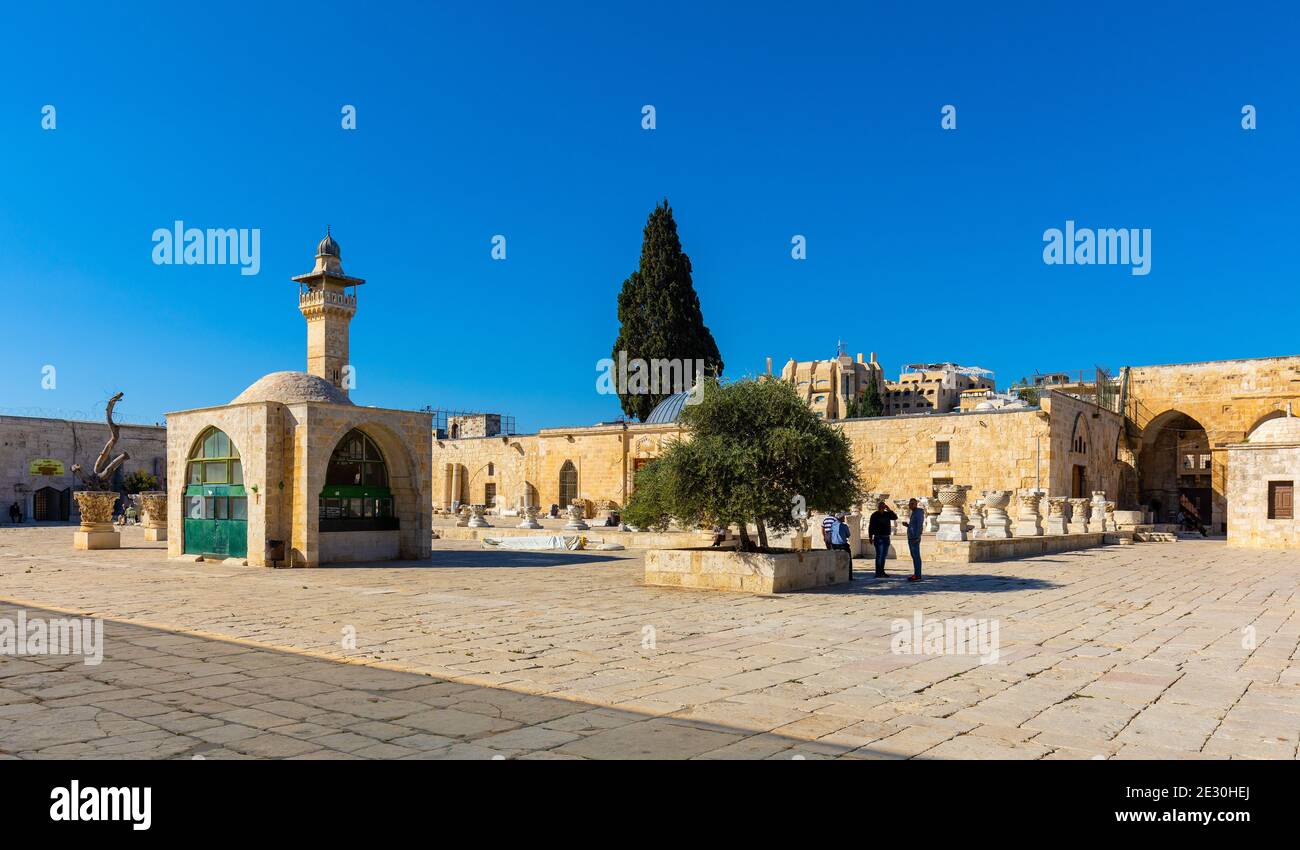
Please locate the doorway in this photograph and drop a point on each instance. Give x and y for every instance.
(1078, 482)
(51, 505)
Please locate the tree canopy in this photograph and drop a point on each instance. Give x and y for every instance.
(752, 453)
(659, 314)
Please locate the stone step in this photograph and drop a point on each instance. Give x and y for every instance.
(1155, 537)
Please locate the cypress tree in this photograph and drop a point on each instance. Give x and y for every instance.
(872, 404)
(659, 313)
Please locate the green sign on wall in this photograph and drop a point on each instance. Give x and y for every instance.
(46, 466)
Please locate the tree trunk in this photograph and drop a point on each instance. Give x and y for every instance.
(744, 539)
(762, 535)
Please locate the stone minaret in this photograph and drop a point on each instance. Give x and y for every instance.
(328, 307)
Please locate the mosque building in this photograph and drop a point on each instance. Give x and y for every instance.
(292, 472)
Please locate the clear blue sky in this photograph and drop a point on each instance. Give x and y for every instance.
(525, 120)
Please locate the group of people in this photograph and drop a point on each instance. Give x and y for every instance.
(837, 535)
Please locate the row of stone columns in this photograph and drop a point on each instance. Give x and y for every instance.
(946, 518)
(473, 516)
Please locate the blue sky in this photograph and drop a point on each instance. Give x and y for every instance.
(525, 120)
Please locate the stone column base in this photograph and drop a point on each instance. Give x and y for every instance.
(1029, 528)
(155, 535)
(954, 531)
(97, 540)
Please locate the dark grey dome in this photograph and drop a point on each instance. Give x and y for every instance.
(329, 246)
(667, 411)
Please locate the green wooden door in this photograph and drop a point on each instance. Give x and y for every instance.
(216, 520)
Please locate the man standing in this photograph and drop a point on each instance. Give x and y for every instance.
(828, 525)
(878, 530)
(915, 525)
(840, 537)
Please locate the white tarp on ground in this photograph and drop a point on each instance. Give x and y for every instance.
(537, 543)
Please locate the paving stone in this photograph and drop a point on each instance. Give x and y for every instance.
(1112, 652)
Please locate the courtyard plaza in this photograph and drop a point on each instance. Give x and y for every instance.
(1158, 650)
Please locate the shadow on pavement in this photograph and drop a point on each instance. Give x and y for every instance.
(485, 559)
(161, 693)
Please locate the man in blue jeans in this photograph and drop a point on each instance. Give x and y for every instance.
(915, 525)
(878, 530)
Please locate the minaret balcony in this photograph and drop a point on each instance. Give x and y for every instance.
(314, 299)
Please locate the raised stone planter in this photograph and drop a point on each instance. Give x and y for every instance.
(154, 505)
(746, 572)
(96, 530)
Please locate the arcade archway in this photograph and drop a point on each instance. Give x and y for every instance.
(1176, 470)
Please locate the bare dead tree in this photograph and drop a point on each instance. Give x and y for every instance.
(101, 475)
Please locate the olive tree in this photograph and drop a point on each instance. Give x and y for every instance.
(752, 454)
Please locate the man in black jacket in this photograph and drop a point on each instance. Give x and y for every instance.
(879, 528)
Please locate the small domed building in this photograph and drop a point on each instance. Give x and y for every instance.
(291, 472)
(1262, 473)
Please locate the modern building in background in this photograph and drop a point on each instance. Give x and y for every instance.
(830, 385)
(933, 388)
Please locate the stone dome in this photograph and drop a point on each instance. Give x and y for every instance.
(292, 388)
(1283, 429)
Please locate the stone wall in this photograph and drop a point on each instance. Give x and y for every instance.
(338, 547)
(1228, 398)
(993, 450)
(1250, 469)
(25, 439)
(529, 465)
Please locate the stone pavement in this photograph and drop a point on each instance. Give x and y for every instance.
(1183, 650)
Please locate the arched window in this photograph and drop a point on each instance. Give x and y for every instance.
(215, 460)
(356, 496)
(216, 505)
(1079, 441)
(568, 484)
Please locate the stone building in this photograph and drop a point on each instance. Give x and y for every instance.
(1262, 473)
(933, 388)
(37, 455)
(1191, 410)
(829, 385)
(1159, 441)
(1066, 447)
(292, 460)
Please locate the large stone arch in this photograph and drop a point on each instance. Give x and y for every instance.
(1167, 481)
(1276, 413)
(405, 480)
